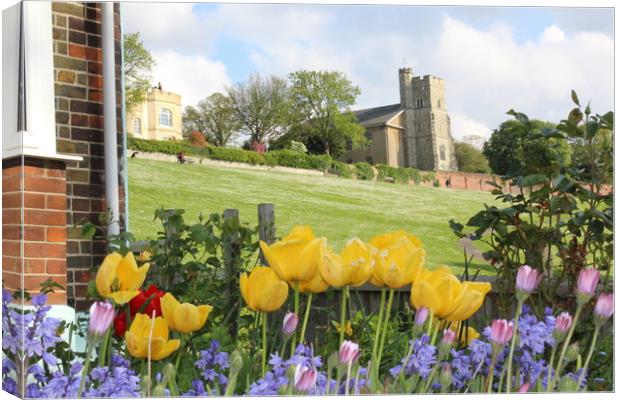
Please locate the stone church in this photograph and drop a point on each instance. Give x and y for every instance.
(413, 133)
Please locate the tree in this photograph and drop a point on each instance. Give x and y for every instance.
(214, 118)
(137, 67)
(322, 100)
(262, 106)
(470, 159)
(519, 147)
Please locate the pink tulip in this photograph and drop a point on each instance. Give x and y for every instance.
(527, 279)
(421, 315)
(501, 331)
(448, 336)
(524, 388)
(305, 378)
(289, 323)
(349, 352)
(586, 284)
(563, 322)
(604, 307)
(101, 317)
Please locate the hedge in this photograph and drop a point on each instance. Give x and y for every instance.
(285, 158)
(364, 171)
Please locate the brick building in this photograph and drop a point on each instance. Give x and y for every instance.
(56, 170)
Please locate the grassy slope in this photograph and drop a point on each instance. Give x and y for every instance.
(336, 208)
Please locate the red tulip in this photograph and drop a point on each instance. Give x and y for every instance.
(153, 305)
(120, 324)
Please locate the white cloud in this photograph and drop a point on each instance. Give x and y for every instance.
(552, 34)
(462, 125)
(488, 72)
(194, 77)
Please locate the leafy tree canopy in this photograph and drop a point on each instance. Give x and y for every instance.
(214, 118)
(137, 67)
(323, 119)
(470, 159)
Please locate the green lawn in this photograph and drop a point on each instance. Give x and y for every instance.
(336, 208)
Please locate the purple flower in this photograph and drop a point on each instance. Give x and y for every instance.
(305, 378)
(101, 317)
(289, 324)
(213, 364)
(501, 331)
(349, 352)
(586, 284)
(604, 307)
(421, 315)
(420, 362)
(527, 280)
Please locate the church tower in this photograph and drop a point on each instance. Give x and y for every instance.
(428, 140)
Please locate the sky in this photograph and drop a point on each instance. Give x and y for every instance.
(492, 58)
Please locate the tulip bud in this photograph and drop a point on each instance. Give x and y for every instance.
(421, 315)
(586, 284)
(349, 352)
(159, 391)
(101, 317)
(289, 324)
(524, 388)
(501, 332)
(572, 352)
(604, 308)
(305, 378)
(449, 336)
(236, 361)
(527, 280)
(445, 377)
(169, 373)
(567, 384)
(562, 325)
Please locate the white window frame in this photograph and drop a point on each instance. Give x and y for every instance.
(137, 126)
(169, 116)
(32, 21)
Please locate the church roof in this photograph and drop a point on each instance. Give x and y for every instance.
(377, 115)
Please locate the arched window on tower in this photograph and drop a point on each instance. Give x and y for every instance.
(442, 152)
(165, 117)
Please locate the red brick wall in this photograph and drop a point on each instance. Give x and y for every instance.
(79, 131)
(41, 185)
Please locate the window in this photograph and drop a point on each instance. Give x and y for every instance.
(420, 103)
(165, 117)
(442, 152)
(137, 126)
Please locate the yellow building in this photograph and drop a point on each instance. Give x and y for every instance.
(156, 118)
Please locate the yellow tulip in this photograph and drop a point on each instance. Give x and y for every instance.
(119, 278)
(348, 329)
(144, 256)
(353, 266)
(183, 317)
(315, 285)
(262, 290)
(296, 257)
(446, 296)
(399, 259)
(137, 338)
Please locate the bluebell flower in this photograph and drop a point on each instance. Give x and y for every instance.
(421, 361)
(213, 364)
(462, 370)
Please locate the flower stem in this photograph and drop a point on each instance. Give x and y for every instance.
(264, 364)
(431, 315)
(89, 349)
(343, 312)
(585, 366)
(385, 327)
(491, 371)
(378, 329)
(558, 368)
(550, 365)
(513, 341)
(296, 310)
(303, 326)
(346, 382)
(104, 347)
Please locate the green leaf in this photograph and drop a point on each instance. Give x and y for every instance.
(575, 116)
(591, 129)
(89, 230)
(564, 202)
(531, 180)
(519, 116)
(562, 183)
(573, 95)
(552, 133)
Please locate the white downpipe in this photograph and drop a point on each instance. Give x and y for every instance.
(109, 115)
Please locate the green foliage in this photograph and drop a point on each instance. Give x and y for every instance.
(262, 106)
(401, 175)
(341, 169)
(294, 145)
(470, 159)
(214, 118)
(321, 104)
(235, 155)
(523, 146)
(294, 159)
(561, 221)
(364, 171)
(137, 68)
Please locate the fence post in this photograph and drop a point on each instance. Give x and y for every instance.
(266, 226)
(231, 257)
